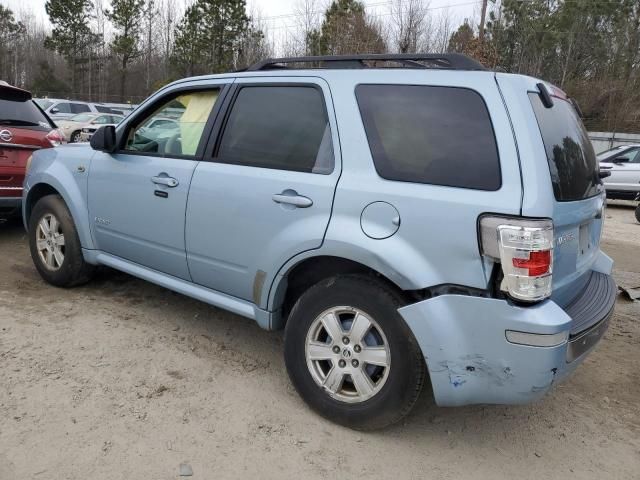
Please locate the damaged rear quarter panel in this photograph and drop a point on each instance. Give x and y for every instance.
(469, 359)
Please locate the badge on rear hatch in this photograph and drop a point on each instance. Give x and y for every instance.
(6, 136)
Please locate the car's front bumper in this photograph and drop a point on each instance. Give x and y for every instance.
(470, 360)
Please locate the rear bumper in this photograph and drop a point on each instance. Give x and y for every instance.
(10, 206)
(470, 360)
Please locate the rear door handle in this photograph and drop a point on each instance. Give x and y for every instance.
(165, 180)
(289, 197)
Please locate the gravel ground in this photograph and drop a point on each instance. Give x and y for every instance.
(121, 379)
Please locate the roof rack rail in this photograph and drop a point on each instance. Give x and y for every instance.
(452, 61)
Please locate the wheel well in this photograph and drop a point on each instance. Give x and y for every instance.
(36, 193)
(313, 270)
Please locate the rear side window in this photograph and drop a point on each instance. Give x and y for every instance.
(281, 127)
(79, 108)
(63, 107)
(22, 114)
(429, 134)
(572, 161)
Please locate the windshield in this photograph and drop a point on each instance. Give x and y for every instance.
(44, 104)
(82, 117)
(572, 161)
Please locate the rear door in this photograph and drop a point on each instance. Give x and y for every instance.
(265, 191)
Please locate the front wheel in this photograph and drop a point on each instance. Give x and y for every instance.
(350, 355)
(54, 244)
(75, 137)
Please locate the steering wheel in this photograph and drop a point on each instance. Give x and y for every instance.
(173, 143)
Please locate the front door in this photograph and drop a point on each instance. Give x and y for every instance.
(138, 195)
(266, 191)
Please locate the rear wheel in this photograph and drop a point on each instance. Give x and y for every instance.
(350, 355)
(54, 244)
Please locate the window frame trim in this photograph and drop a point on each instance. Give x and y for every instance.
(457, 87)
(213, 146)
(125, 126)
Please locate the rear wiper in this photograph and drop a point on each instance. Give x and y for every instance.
(21, 123)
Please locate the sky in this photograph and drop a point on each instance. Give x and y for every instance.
(278, 16)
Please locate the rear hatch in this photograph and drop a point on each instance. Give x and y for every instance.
(578, 193)
(23, 129)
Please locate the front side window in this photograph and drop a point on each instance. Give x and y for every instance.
(279, 127)
(62, 107)
(430, 134)
(185, 114)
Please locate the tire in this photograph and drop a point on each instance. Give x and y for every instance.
(638, 213)
(67, 270)
(75, 137)
(353, 299)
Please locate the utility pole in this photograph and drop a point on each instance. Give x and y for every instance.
(482, 20)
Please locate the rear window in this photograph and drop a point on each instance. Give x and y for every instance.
(23, 115)
(572, 161)
(429, 134)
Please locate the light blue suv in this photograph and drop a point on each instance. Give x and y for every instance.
(402, 217)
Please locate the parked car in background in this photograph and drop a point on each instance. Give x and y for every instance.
(72, 128)
(58, 109)
(24, 128)
(89, 129)
(623, 163)
(387, 218)
(121, 108)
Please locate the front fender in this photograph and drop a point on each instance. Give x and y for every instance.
(65, 170)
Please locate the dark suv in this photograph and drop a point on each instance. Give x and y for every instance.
(24, 128)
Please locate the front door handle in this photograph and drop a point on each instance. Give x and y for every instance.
(291, 197)
(165, 180)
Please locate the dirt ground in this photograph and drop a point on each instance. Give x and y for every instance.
(121, 379)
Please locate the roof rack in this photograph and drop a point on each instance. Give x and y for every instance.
(451, 61)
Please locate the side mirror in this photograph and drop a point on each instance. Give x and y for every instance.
(54, 110)
(104, 140)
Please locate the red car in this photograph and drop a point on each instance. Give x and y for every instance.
(24, 128)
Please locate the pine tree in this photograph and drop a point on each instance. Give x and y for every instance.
(126, 16)
(209, 37)
(71, 35)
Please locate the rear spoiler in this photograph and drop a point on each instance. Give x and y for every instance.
(14, 94)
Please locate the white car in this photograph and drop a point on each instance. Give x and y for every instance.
(624, 164)
(58, 109)
(74, 128)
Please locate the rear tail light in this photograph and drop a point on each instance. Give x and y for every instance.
(524, 249)
(55, 137)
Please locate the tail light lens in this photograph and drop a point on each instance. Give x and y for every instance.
(55, 137)
(524, 249)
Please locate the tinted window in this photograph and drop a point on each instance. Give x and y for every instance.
(191, 111)
(79, 108)
(435, 135)
(103, 109)
(22, 114)
(283, 127)
(572, 161)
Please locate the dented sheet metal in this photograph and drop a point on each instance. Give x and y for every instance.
(469, 359)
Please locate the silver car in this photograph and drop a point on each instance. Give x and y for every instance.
(623, 162)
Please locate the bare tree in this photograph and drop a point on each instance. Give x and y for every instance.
(410, 24)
